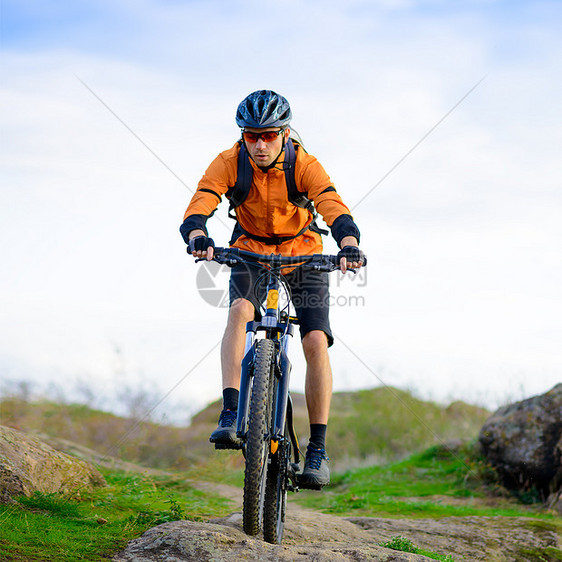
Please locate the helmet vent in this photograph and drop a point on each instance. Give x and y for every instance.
(263, 108)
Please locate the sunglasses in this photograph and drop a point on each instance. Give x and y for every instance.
(267, 136)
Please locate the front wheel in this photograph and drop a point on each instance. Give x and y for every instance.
(257, 438)
(276, 493)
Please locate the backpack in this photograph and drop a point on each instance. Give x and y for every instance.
(238, 193)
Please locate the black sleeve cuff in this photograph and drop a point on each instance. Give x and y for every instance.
(344, 226)
(193, 222)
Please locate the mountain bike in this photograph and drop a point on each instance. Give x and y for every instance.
(265, 410)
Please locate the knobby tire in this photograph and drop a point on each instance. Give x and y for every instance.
(257, 439)
(276, 493)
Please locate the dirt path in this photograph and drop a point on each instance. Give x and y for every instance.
(314, 536)
(236, 495)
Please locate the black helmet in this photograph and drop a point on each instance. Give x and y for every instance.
(262, 109)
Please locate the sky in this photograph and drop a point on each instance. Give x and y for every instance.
(438, 122)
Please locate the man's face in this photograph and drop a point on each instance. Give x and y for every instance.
(264, 153)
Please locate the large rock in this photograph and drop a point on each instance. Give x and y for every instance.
(319, 537)
(308, 537)
(523, 441)
(28, 465)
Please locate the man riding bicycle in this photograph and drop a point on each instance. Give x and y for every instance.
(271, 180)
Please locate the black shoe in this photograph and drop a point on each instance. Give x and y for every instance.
(316, 473)
(224, 437)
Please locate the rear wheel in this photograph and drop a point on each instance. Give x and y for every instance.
(257, 438)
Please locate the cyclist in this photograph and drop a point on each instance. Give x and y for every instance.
(270, 219)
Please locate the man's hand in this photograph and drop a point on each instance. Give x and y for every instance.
(200, 246)
(350, 256)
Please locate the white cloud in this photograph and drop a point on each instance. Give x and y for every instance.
(463, 237)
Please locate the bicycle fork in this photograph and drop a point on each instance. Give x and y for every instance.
(246, 379)
(282, 407)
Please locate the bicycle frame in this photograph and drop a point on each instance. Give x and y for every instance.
(264, 423)
(279, 331)
(276, 328)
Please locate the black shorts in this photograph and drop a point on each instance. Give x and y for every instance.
(309, 293)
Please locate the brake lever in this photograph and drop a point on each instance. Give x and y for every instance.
(221, 261)
(354, 271)
(229, 260)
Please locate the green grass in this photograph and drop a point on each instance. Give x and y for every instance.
(383, 424)
(548, 554)
(223, 467)
(409, 488)
(95, 525)
(406, 545)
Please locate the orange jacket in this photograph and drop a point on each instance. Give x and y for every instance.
(267, 211)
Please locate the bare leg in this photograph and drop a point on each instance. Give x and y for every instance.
(232, 348)
(318, 386)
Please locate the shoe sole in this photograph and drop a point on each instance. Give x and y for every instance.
(307, 484)
(225, 440)
(222, 446)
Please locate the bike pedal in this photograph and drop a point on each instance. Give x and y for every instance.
(308, 486)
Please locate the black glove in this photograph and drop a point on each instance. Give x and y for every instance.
(200, 243)
(352, 254)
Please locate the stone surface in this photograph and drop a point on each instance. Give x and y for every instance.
(554, 501)
(27, 464)
(315, 536)
(472, 538)
(523, 441)
(309, 538)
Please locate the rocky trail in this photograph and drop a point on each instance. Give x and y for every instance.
(314, 536)
(522, 441)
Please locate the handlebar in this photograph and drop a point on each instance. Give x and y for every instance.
(233, 256)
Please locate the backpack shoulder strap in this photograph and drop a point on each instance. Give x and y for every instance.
(296, 197)
(239, 191)
(289, 168)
